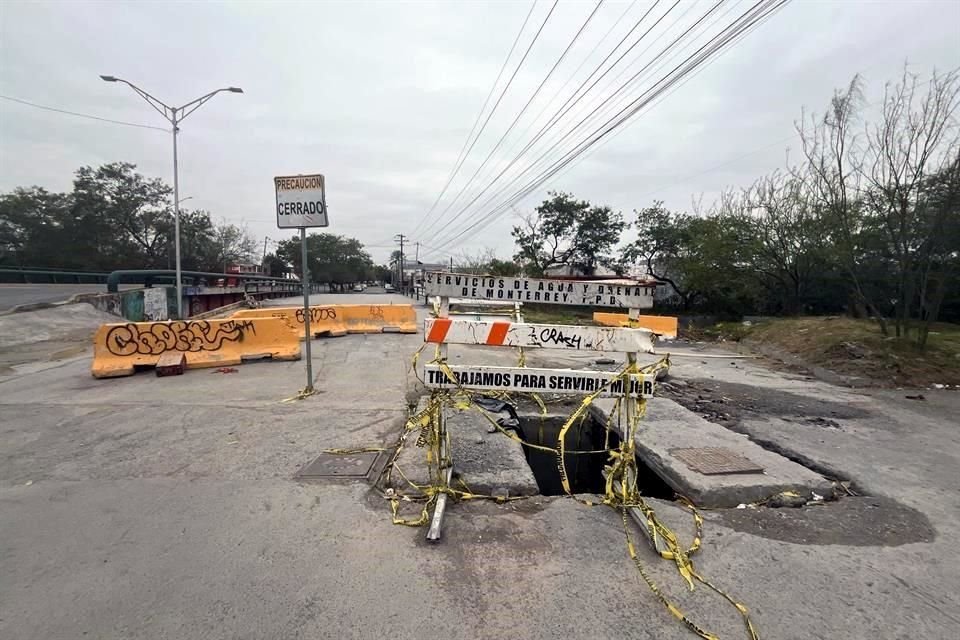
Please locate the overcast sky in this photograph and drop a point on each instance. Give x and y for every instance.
(380, 97)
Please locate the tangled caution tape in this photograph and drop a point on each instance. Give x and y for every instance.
(621, 490)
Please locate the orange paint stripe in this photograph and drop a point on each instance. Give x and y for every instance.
(498, 332)
(438, 331)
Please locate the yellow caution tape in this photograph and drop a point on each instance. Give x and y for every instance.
(620, 491)
(302, 394)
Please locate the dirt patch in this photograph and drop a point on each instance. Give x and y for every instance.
(853, 521)
(853, 350)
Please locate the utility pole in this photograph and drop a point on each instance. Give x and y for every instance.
(264, 258)
(401, 239)
(451, 264)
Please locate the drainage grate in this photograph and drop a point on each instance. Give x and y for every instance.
(328, 465)
(715, 461)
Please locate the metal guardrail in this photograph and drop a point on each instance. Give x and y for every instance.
(190, 278)
(33, 275)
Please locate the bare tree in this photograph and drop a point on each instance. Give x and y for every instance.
(787, 233)
(917, 138)
(477, 263)
(832, 176)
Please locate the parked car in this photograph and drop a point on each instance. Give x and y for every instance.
(388, 288)
(358, 287)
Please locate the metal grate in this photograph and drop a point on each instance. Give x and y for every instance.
(715, 461)
(328, 465)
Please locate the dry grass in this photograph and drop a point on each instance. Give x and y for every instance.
(857, 348)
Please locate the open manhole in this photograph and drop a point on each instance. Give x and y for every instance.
(326, 466)
(715, 461)
(584, 460)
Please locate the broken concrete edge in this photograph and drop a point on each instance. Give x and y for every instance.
(488, 463)
(36, 306)
(719, 491)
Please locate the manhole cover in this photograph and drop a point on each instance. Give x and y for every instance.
(328, 465)
(715, 461)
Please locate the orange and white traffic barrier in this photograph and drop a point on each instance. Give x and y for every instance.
(118, 349)
(502, 333)
(325, 321)
(663, 326)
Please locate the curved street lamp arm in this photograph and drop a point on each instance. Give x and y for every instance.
(193, 105)
(164, 110)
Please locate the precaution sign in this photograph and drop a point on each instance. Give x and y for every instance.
(529, 380)
(301, 201)
(624, 294)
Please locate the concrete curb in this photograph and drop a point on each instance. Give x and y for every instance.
(668, 426)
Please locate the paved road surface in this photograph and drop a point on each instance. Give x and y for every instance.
(149, 507)
(12, 295)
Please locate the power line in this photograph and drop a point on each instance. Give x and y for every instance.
(558, 116)
(522, 111)
(461, 156)
(716, 44)
(82, 115)
(555, 117)
(509, 82)
(567, 158)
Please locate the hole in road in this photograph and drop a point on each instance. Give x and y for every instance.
(584, 470)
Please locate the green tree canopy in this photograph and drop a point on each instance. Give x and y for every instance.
(566, 231)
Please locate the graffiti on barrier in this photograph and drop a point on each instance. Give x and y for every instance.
(160, 337)
(376, 312)
(318, 313)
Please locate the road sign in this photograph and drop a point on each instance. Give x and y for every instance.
(623, 294)
(301, 201)
(524, 379)
(547, 336)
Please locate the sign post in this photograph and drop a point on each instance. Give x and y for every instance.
(302, 203)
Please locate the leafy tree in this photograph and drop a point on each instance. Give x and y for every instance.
(565, 231)
(32, 227)
(120, 216)
(332, 259)
(274, 267)
(504, 268)
(702, 259)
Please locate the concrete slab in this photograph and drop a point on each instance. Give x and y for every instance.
(668, 426)
(489, 463)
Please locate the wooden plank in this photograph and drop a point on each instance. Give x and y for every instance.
(529, 379)
(547, 336)
(621, 294)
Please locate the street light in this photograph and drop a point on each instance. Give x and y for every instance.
(174, 115)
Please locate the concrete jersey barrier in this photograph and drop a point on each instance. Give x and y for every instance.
(663, 326)
(376, 318)
(339, 319)
(325, 321)
(118, 349)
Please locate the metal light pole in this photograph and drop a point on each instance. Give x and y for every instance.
(174, 115)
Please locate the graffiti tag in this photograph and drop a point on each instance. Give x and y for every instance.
(159, 337)
(376, 312)
(317, 314)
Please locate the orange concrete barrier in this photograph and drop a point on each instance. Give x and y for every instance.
(375, 318)
(119, 349)
(663, 326)
(326, 321)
